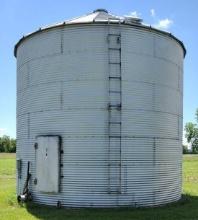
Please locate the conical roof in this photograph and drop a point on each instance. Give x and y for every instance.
(99, 15)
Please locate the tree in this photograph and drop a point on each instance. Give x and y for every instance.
(13, 145)
(196, 115)
(185, 149)
(192, 134)
(1, 146)
(195, 146)
(191, 131)
(5, 140)
(7, 144)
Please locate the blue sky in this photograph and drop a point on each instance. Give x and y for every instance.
(18, 17)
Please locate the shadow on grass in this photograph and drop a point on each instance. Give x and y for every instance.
(186, 208)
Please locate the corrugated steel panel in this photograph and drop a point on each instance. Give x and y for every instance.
(38, 46)
(75, 122)
(23, 126)
(93, 65)
(149, 69)
(137, 95)
(141, 42)
(90, 39)
(93, 94)
(40, 97)
(22, 77)
(166, 48)
(62, 90)
(149, 124)
(170, 97)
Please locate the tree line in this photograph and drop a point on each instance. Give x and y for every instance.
(191, 135)
(7, 144)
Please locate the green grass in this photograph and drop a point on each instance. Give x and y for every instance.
(187, 208)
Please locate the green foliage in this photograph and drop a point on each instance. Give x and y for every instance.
(7, 144)
(192, 134)
(195, 146)
(13, 145)
(191, 131)
(185, 149)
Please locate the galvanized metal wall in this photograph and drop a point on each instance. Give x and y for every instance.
(62, 89)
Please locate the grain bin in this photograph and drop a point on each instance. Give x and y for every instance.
(99, 113)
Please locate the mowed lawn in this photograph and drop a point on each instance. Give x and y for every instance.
(187, 208)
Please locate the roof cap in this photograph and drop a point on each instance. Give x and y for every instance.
(100, 10)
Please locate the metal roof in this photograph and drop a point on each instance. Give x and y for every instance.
(101, 16)
(97, 16)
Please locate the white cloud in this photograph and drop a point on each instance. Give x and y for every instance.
(135, 14)
(2, 131)
(152, 11)
(164, 24)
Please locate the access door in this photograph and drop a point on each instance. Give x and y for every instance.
(47, 164)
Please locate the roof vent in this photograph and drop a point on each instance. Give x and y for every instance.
(130, 19)
(100, 10)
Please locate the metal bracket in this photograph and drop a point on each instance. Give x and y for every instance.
(36, 146)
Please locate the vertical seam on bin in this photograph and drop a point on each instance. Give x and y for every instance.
(28, 122)
(179, 79)
(61, 95)
(178, 126)
(28, 74)
(153, 96)
(154, 165)
(62, 40)
(154, 44)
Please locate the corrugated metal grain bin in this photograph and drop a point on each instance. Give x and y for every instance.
(99, 113)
